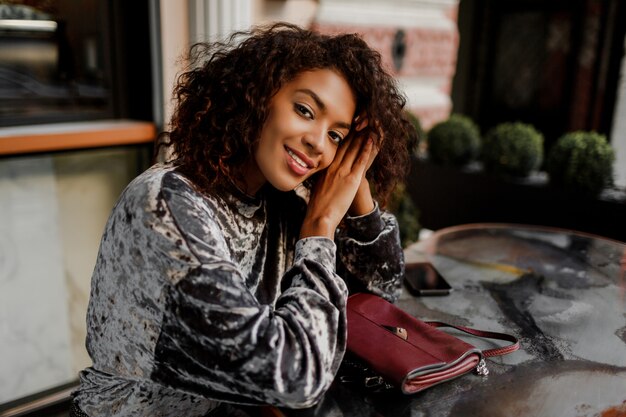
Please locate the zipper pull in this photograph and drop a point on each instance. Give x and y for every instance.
(481, 368)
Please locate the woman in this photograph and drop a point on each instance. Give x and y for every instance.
(215, 282)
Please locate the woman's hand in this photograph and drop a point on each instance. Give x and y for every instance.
(363, 202)
(336, 187)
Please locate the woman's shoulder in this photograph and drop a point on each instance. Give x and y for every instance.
(162, 198)
(161, 188)
(159, 179)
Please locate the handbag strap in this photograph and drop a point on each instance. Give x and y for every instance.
(483, 333)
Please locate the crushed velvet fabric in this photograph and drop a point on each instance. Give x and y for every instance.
(200, 299)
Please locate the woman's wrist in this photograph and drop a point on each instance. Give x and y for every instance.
(363, 202)
(321, 226)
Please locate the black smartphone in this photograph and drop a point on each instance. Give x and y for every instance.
(422, 278)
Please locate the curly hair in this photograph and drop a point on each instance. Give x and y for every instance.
(223, 100)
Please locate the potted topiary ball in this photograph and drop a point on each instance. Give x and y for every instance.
(455, 141)
(512, 149)
(582, 162)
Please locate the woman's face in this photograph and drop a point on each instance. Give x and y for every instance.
(308, 119)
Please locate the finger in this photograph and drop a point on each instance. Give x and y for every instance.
(362, 163)
(353, 150)
(360, 122)
(345, 145)
(345, 151)
(375, 149)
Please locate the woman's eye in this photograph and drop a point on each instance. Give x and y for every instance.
(303, 110)
(335, 137)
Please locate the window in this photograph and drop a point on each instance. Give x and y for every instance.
(63, 60)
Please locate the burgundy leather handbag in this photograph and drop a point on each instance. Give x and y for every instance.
(409, 353)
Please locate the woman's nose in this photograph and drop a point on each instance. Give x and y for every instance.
(315, 141)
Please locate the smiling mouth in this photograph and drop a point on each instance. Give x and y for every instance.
(297, 159)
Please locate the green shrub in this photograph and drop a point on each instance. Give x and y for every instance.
(416, 141)
(455, 141)
(512, 149)
(401, 205)
(581, 161)
(415, 121)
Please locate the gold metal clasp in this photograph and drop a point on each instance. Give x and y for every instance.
(398, 331)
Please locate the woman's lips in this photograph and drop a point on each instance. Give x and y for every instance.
(298, 162)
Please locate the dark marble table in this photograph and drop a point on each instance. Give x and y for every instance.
(562, 293)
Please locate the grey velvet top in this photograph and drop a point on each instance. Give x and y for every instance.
(198, 299)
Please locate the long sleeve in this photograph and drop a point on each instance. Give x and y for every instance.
(221, 343)
(370, 255)
(175, 320)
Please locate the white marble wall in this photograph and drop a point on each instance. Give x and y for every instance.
(34, 328)
(52, 212)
